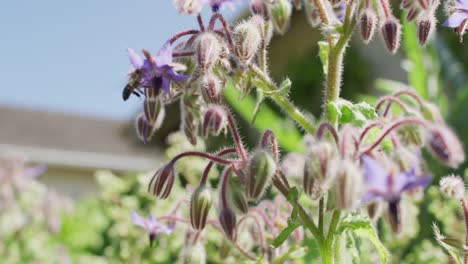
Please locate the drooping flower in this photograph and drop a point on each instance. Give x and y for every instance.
(458, 19)
(217, 5)
(188, 6)
(151, 225)
(156, 72)
(383, 184)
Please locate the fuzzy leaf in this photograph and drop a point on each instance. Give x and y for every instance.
(362, 227)
(323, 54)
(279, 240)
(345, 112)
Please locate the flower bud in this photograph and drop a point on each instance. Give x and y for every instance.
(350, 185)
(200, 206)
(258, 7)
(237, 197)
(211, 89)
(374, 210)
(190, 127)
(248, 40)
(154, 112)
(143, 128)
(391, 34)
(431, 113)
(317, 169)
(367, 22)
(413, 13)
(453, 187)
(411, 135)
(208, 50)
(162, 181)
(425, 29)
(214, 121)
(193, 254)
(445, 146)
(261, 169)
(281, 12)
(312, 14)
(188, 6)
(227, 219)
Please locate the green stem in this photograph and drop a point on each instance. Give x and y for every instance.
(333, 225)
(283, 102)
(308, 223)
(326, 253)
(321, 215)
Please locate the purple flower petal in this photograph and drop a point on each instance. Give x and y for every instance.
(135, 59)
(455, 19)
(164, 56)
(138, 220)
(175, 76)
(420, 182)
(166, 85)
(34, 172)
(375, 176)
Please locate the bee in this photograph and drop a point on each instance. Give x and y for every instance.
(132, 86)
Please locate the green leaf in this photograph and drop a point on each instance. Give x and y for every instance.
(417, 76)
(345, 112)
(362, 227)
(289, 137)
(279, 240)
(323, 54)
(293, 195)
(449, 248)
(295, 252)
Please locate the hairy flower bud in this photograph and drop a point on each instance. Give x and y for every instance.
(312, 14)
(374, 210)
(391, 34)
(411, 135)
(317, 169)
(154, 112)
(261, 169)
(143, 128)
(367, 23)
(193, 254)
(162, 181)
(425, 29)
(237, 197)
(188, 6)
(200, 206)
(259, 7)
(281, 11)
(227, 219)
(248, 40)
(431, 113)
(214, 121)
(445, 146)
(413, 13)
(211, 89)
(453, 187)
(350, 185)
(209, 49)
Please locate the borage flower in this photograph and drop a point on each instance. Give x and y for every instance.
(151, 225)
(387, 185)
(217, 5)
(458, 19)
(156, 72)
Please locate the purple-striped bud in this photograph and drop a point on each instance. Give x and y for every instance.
(405, 4)
(312, 14)
(209, 50)
(190, 127)
(261, 169)
(211, 89)
(425, 29)
(317, 169)
(214, 121)
(367, 23)
(350, 185)
(258, 7)
(281, 11)
(391, 34)
(154, 112)
(445, 146)
(413, 13)
(227, 219)
(200, 206)
(162, 181)
(248, 40)
(237, 197)
(143, 129)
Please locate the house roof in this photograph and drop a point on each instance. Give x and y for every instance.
(73, 140)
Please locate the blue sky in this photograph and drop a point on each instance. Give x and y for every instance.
(70, 56)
